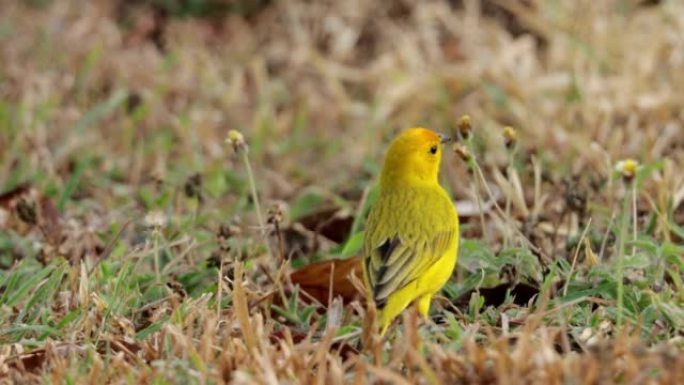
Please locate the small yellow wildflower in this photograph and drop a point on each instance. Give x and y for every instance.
(237, 140)
(510, 136)
(465, 128)
(627, 168)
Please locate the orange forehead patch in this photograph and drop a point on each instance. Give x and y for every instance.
(420, 134)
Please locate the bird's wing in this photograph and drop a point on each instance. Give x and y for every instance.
(398, 254)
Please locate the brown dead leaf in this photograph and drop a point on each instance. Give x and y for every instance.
(8, 198)
(9, 202)
(35, 360)
(31, 208)
(315, 279)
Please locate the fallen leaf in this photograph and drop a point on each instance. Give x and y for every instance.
(8, 198)
(35, 360)
(9, 201)
(315, 279)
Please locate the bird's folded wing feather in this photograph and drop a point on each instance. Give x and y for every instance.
(396, 256)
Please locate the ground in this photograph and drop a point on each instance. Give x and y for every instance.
(140, 242)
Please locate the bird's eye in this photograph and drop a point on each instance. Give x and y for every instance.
(433, 150)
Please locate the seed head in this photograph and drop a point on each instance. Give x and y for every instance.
(155, 220)
(225, 232)
(237, 140)
(275, 214)
(510, 136)
(26, 211)
(627, 168)
(193, 187)
(465, 128)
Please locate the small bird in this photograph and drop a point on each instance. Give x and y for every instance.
(411, 237)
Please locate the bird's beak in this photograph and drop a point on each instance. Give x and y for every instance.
(444, 138)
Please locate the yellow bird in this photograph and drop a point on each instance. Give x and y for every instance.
(411, 238)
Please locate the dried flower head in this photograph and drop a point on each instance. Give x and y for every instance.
(627, 168)
(26, 211)
(605, 327)
(155, 220)
(510, 136)
(275, 214)
(225, 232)
(193, 187)
(236, 140)
(462, 152)
(465, 128)
(228, 230)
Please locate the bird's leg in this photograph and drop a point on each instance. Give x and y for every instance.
(424, 305)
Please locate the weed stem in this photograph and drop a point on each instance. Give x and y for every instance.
(620, 261)
(635, 223)
(255, 196)
(156, 256)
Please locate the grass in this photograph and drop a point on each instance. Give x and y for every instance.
(133, 248)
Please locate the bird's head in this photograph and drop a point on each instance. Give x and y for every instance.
(413, 157)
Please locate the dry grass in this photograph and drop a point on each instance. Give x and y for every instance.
(130, 241)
